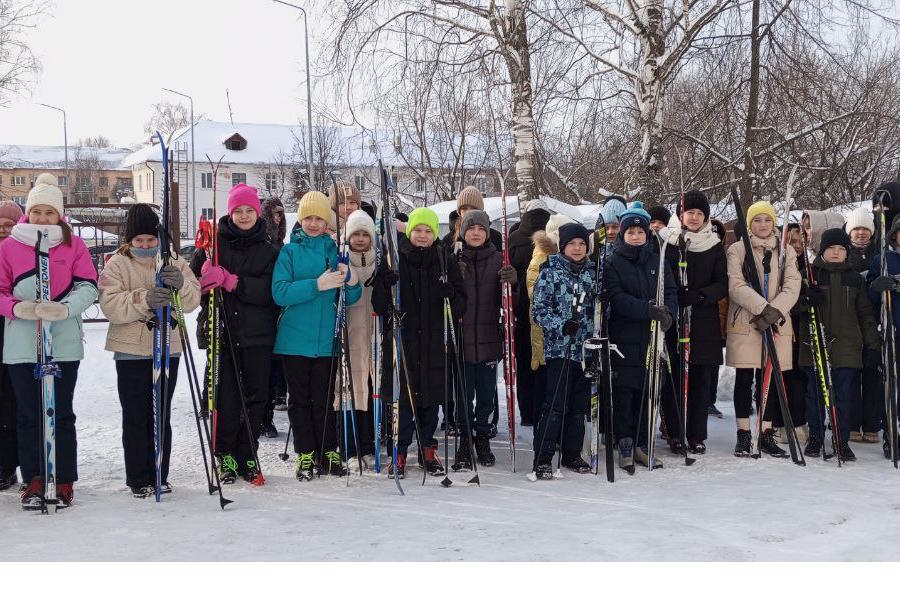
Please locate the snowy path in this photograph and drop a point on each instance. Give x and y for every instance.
(722, 508)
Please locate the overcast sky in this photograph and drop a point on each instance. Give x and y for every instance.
(104, 62)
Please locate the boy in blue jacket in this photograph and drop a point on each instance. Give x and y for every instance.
(632, 278)
(306, 283)
(563, 307)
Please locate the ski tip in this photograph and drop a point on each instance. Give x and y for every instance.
(475, 480)
(688, 461)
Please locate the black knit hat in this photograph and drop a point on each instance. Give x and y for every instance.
(571, 231)
(660, 213)
(834, 237)
(695, 199)
(141, 220)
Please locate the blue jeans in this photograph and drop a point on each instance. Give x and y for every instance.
(844, 380)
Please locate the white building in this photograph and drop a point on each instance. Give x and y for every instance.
(270, 158)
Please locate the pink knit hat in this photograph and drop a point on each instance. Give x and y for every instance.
(10, 210)
(243, 195)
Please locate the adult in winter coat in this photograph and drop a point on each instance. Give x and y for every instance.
(360, 233)
(564, 309)
(632, 275)
(841, 303)
(470, 198)
(707, 283)
(749, 314)
(243, 280)
(483, 274)
(73, 287)
(10, 213)
(305, 283)
(276, 230)
(129, 297)
(546, 244)
(424, 286)
(521, 249)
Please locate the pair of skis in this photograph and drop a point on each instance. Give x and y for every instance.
(888, 348)
(509, 337)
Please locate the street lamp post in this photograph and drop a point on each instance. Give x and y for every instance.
(309, 128)
(65, 144)
(193, 203)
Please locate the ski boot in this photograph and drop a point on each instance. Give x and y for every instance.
(271, 431)
(626, 455)
(483, 450)
(742, 447)
(846, 453)
(31, 495)
(432, 463)
(228, 469)
(306, 466)
(334, 465)
(400, 467)
(768, 445)
(696, 446)
(577, 464)
(65, 495)
(249, 471)
(463, 459)
(544, 470)
(7, 480)
(813, 447)
(641, 455)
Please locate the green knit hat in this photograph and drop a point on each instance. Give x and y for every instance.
(423, 216)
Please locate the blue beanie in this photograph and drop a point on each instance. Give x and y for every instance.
(636, 215)
(612, 210)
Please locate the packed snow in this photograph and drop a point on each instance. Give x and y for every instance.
(722, 508)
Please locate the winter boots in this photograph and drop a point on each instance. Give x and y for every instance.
(334, 465)
(697, 447)
(250, 471)
(641, 455)
(768, 444)
(626, 457)
(433, 464)
(31, 495)
(544, 470)
(228, 469)
(306, 466)
(813, 447)
(742, 447)
(463, 459)
(846, 453)
(7, 480)
(483, 450)
(576, 464)
(399, 468)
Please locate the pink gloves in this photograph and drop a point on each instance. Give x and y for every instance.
(212, 277)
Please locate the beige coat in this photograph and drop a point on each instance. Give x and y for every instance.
(123, 285)
(743, 344)
(360, 328)
(544, 247)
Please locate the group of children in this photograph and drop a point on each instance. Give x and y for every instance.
(278, 311)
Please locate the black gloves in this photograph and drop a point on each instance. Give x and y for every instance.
(570, 327)
(768, 317)
(883, 283)
(446, 289)
(661, 315)
(815, 297)
(688, 297)
(390, 278)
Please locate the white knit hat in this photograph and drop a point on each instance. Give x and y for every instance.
(860, 217)
(536, 205)
(554, 223)
(359, 220)
(46, 192)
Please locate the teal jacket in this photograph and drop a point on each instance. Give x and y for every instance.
(306, 324)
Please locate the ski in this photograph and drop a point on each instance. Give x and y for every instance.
(208, 240)
(46, 370)
(752, 275)
(888, 348)
(509, 337)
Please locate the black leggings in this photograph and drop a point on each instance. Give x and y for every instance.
(745, 383)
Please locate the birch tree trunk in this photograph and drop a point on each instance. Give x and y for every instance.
(650, 92)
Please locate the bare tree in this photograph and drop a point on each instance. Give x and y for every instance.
(167, 118)
(18, 64)
(99, 141)
(86, 171)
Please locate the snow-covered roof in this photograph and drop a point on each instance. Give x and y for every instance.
(54, 157)
(586, 214)
(266, 140)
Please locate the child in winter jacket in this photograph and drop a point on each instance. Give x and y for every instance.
(428, 276)
(360, 233)
(129, 297)
(10, 213)
(306, 283)
(841, 305)
(749, 314)
(242, 278)
(483, 273)
(73, 287)
(632, 273)
(563, 307)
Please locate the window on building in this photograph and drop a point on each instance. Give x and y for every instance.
(360, 182)
(63, 181)
(237, 178)
(207, 213)
(271, 182)
(19, 180)
(206, 181)
(148, 184)
(104, 199)
(82, 182)
(420, 184)
(104, 182)
(20, 200)
(482, 184)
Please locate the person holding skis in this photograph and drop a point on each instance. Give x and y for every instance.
(73, 288)
(428, 275)
(707, 283)
(483, 274)
(563, 307)
(842, 307)
(129, 297)
(242, 278)
(10, 213)
(276, 230)
(750, 313)
(307, 278)
(632, 280)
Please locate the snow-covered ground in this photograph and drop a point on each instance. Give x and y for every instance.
(721, 508)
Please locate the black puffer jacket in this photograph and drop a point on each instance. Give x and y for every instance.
(521, 248)
(482, 333)
(422, 307)
(250, 310)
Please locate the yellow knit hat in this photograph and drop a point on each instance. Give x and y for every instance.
(760, 208)
(314, 204)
